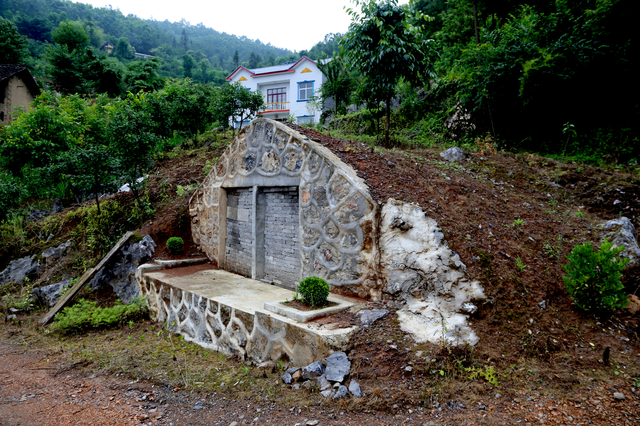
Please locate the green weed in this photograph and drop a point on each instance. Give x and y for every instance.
(87, 315)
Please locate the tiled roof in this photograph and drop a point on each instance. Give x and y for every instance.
(8, 70)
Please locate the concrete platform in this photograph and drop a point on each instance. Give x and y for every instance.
(225, 312)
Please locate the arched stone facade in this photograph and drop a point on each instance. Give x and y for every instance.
(269, 164)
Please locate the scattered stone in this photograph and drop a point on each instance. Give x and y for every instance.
(354, 389)
(52, 254)
(312, 422)
(297, 375)
(307, 385)
(369, 316)
(338, 366)
(543, 304)
(287, 379)
(10, 317)
(323, 383)
(634, 304)
(453, 154)
(327, 393)
(408, 369)
(198, 407)
(619, 396)
(293, 370)
(622, 233)
(313, 370)
(233, 424)
(296, 386)
(48, 295)
(341, 393)
(18, 270)
(119, 273)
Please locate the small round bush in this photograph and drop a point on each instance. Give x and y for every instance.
(314, 291)
(593, 277)
(175, 245)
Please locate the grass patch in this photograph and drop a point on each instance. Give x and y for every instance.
(87, 315)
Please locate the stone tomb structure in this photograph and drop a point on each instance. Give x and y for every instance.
(278, 207)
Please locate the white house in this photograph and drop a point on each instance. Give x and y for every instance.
(287, 88)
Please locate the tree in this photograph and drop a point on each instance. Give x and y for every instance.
(71, 34)
(187, 65)
(338, 84)
(132, 139)
(143, 75)
(234, 101)
(13, 46)
(92, 170)
(123, 50)
(254, 60)
(236, 59)
(385, 47)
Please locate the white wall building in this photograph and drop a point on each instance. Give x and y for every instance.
(287, 89)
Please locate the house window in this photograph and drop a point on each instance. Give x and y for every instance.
(277, 95)
(305, 119)
(305, 90)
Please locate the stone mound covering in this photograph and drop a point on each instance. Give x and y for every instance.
(375, 250)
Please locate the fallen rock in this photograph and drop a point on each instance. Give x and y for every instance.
(313, 370)
(287, 379)
(354, 389)
(327, 393)
(323, 383)
(297, 375)
(369, 316)
(307, 385)
(52, 254)
(18, 270)
(338, 366)
(453, 154)
(622, 233)
(119, 273)
(48, 295)
(342, 392)
(634, 304)
(619, 396)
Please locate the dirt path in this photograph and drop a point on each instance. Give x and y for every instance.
(44, 389)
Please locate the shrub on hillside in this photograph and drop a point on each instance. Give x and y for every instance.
(593, 277)
(175, 245)
(314, 291)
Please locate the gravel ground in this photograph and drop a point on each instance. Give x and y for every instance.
(36, 389)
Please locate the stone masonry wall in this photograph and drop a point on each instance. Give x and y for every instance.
(281, 242)
(337, 214)
(239, 231)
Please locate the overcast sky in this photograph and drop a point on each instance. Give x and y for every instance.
(295, 25)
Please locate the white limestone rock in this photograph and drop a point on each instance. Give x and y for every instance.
(622, 233)
(424, 273)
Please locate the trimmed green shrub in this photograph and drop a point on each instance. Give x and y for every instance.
(86, 315)
(175, 245)
(314, 291)
(593, 277)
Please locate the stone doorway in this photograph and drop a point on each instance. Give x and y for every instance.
(262, 234)
(238, 253)
(280, 241)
